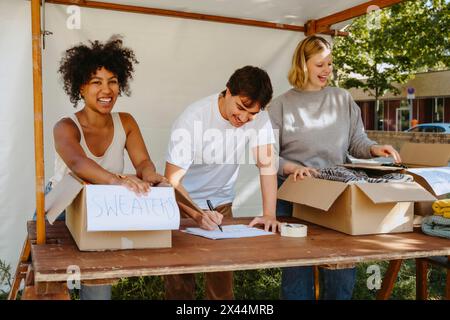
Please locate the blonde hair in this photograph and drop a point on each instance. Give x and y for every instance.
(298, 74)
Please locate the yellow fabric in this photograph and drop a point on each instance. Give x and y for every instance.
(441, 204)
(440, 212)
(442, 208)
(445, 214)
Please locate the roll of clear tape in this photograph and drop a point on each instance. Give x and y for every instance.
(294, 230)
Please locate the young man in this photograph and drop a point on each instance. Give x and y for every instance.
(207, 144)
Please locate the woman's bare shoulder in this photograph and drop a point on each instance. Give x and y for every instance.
(128, 121)
(66, 127)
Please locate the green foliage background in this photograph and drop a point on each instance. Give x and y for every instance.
(265, 284)
(388, 46)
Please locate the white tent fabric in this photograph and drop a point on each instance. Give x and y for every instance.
(296, 12)
(180, 61)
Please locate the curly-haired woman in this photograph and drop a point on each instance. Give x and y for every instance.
(91, 142)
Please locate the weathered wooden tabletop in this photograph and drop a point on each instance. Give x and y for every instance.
(193, 254)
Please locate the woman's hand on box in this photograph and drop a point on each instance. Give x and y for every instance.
(298, 171)
(154, 178)
(133, 183)
(385, 151)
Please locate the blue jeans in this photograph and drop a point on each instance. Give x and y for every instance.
(87, 292)
(297, 283)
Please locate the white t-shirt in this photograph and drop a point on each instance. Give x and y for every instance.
(210, 149)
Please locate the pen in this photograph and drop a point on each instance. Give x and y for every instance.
(210, 206)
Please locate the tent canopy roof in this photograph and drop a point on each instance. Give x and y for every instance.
(296, 12)
(309, 16)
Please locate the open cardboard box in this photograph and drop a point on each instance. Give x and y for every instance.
(355, 209)
(365, 208)
(70, 194)
(431, 157)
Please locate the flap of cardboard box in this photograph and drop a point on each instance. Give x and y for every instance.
(371, 166)
(436, 180)
(317, 193)
(395, 192)
(61, 196)
(425, 154)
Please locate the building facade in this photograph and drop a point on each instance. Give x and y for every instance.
(427, 95)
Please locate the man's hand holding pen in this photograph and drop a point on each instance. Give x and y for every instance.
(210, 206)
(211, 219)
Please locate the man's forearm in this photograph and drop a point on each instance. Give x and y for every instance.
(269, 194)
(145, 167)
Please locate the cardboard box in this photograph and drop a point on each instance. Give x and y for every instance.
(70, 194)
(425, 155)
(355, 209)
(420, 155)
(429, 157)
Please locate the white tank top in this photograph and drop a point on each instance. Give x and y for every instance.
(113, 158)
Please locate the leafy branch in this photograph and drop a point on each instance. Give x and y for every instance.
(5, 277)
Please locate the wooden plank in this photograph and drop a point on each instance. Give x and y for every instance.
(178, 14)
(389, 280)
(38, 119)
(353, 12)
(56, 233)
(21, 269)
(192, 254)
(20, 275)
(421, 279)
(29, 293)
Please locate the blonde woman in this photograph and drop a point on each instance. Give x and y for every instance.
(319, 126)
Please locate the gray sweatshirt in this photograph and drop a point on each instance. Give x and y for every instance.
(318, 128)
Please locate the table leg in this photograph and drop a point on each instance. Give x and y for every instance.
(316, 283)
(21, 269)
(421, 279)
(389, 279)
(447, 286)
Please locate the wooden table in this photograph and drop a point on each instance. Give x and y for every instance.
(193, 254)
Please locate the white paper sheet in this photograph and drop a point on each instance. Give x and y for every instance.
(115, 208)
(437, 178)
(229, 232)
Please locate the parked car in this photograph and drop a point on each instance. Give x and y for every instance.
(431, 127)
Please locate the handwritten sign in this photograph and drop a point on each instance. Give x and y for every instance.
(115, 208)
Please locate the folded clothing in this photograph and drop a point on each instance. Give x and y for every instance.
(436, 226)
(346, 175)
(442, 208)
(444, 213)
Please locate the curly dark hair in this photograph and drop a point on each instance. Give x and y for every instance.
(80, 62)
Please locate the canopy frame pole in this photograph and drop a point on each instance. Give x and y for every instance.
(38, 119)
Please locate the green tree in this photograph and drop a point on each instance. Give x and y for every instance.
(5, 279)
(390, 45)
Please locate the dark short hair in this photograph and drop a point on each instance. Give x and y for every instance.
(252, 83)
(80, 62)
